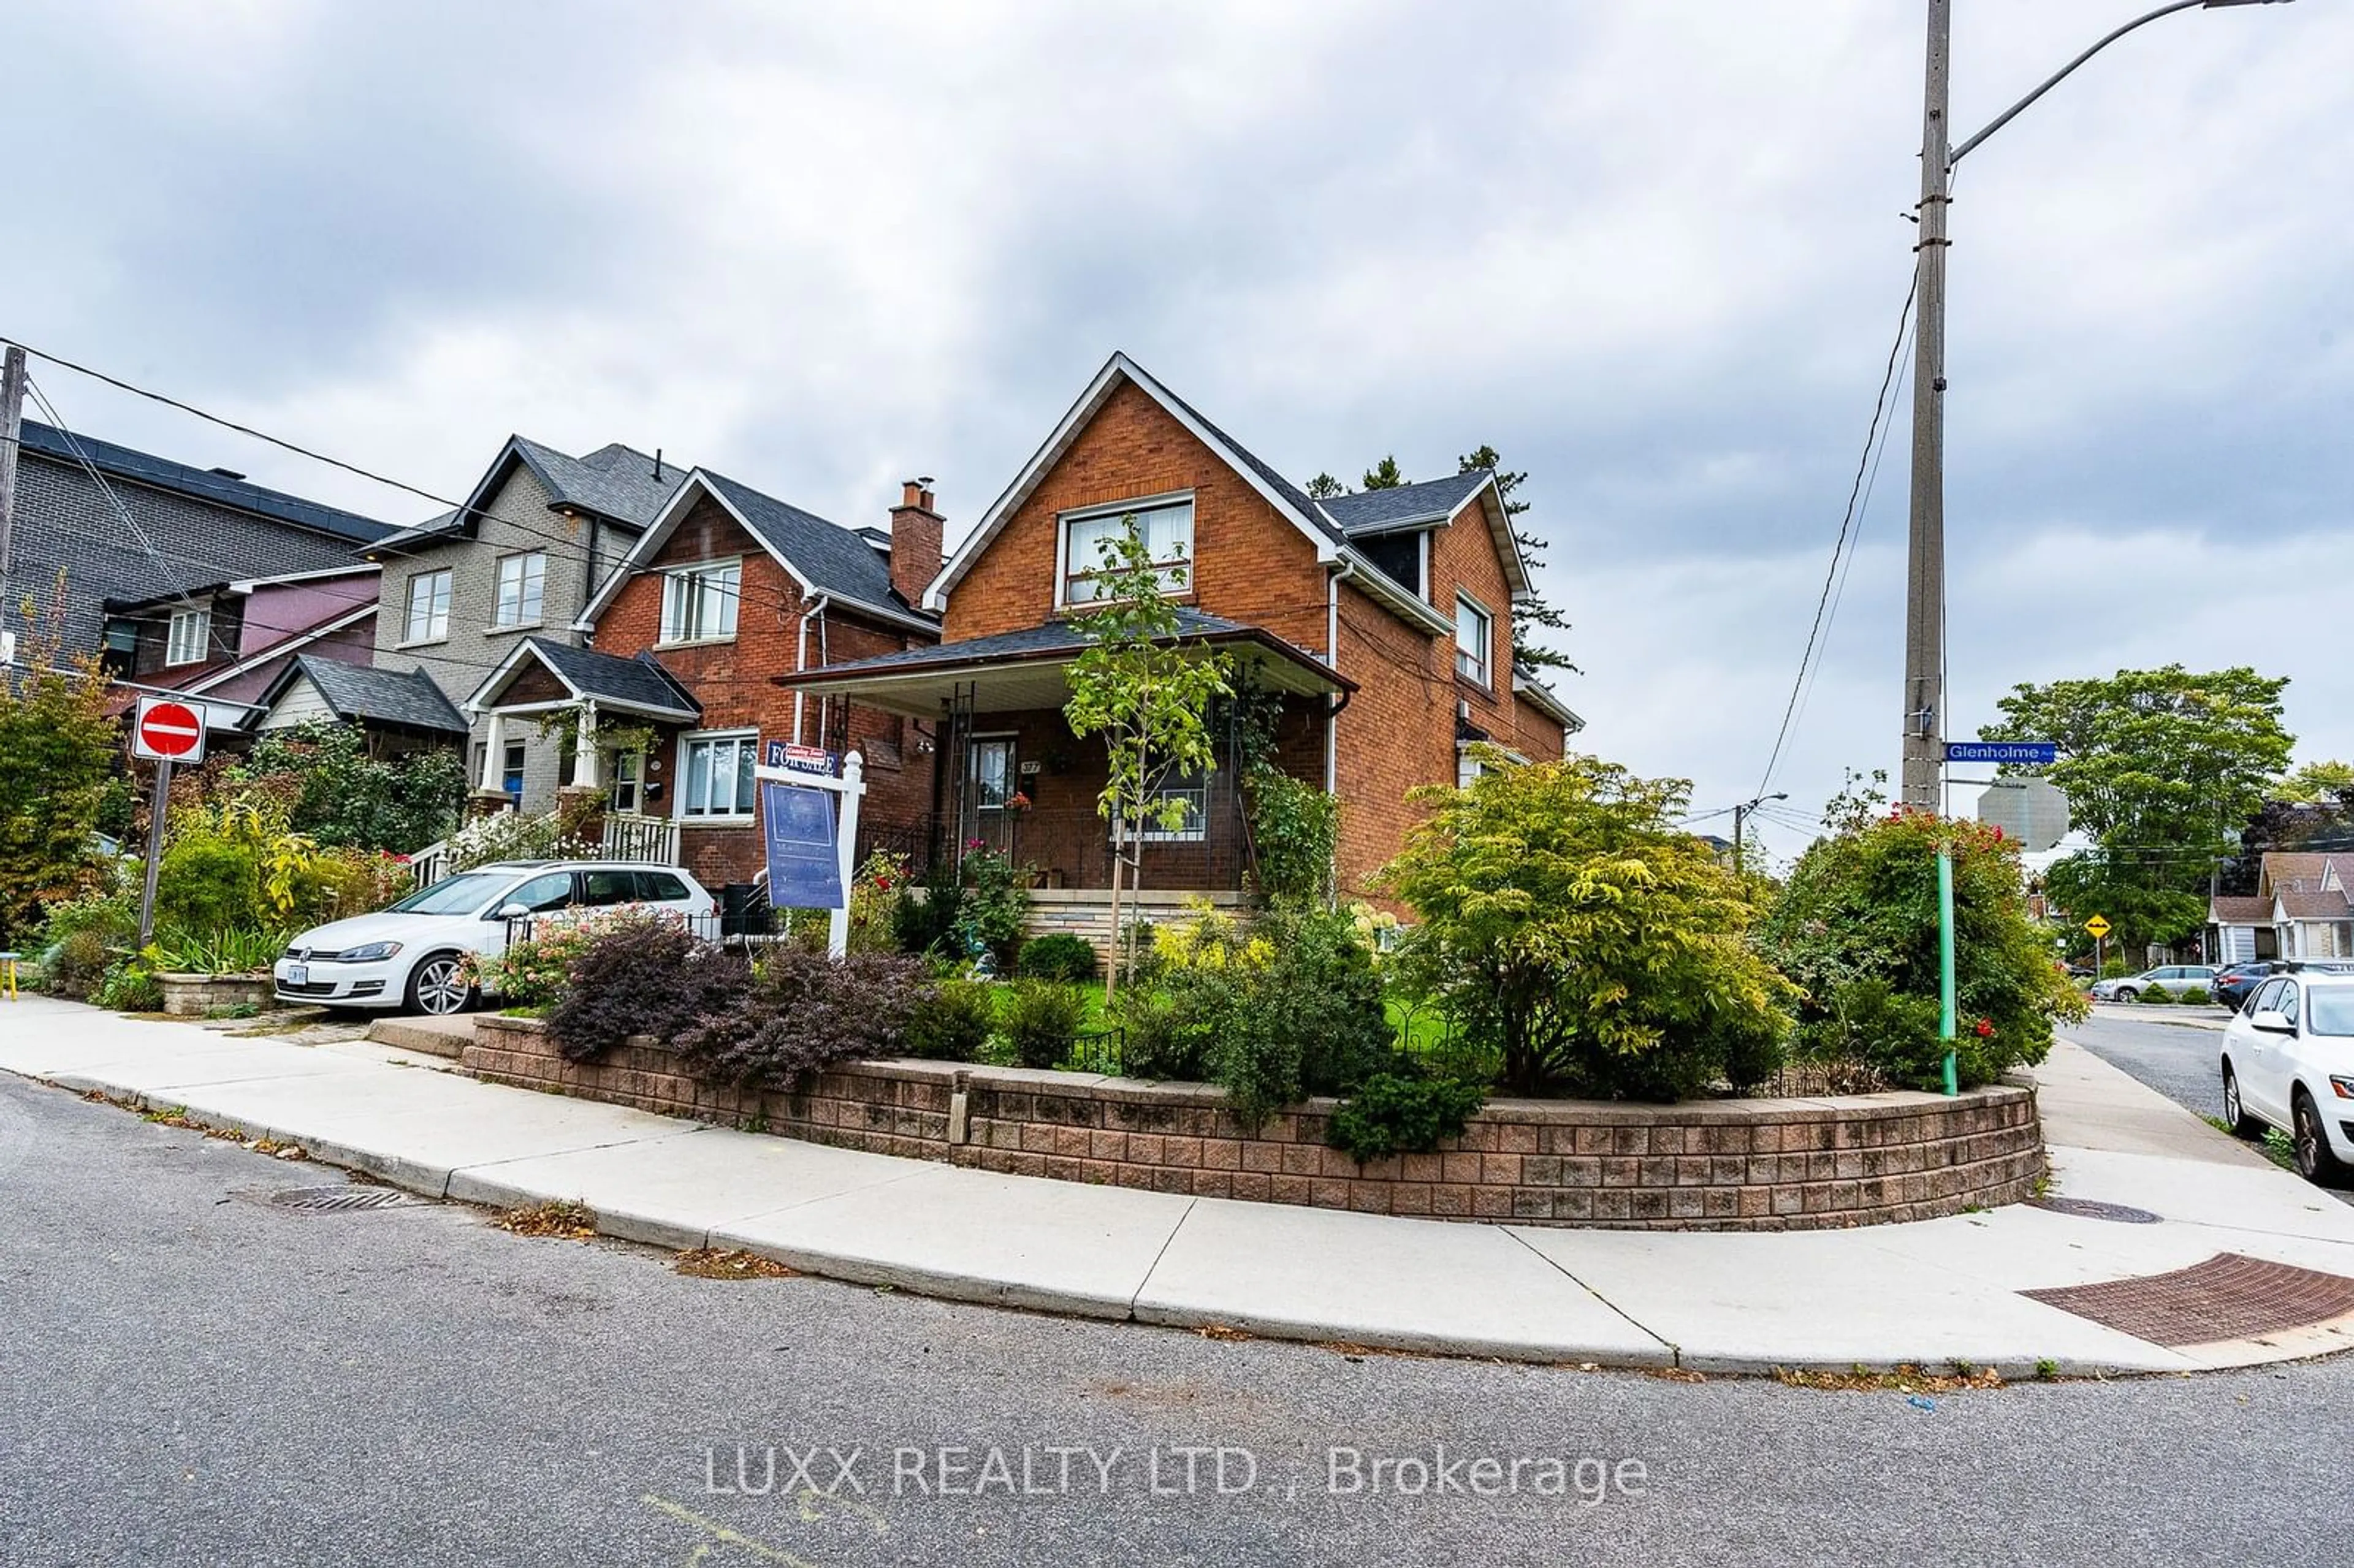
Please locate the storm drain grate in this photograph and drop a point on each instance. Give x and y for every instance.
(2087, 1209)
(339, 1200)
(2229, 1296)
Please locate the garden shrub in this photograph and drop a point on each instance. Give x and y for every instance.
(2197, 996)
(997, 901)
(129, 986)
(244, 950)
(534, 971)
(951, 1021)
(1168, 1029)
(1294, 828)
(1042, 1021)
(209, 883)
(804, 1013)
(80, 936)
(1392, 1113)
(1752, 1059)
(342, 797)
(1569, 925)
(75, 966)
(929, 924)
(877, 892)
(512, 835)
(2154, 995)
(61, 765)
(1059, 956)
(642, 976)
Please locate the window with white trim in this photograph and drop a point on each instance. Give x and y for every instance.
(1474, 639)
(1189, 793)
(188, 638)
(429, 606)
(523, 586)
(714, 775)
(1166, 529)
(699, 602)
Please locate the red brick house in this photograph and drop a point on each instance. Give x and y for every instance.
(1380, 622)
(726, 589)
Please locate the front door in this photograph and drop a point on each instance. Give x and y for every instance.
(993, 786)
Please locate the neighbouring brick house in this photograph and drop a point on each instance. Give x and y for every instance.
(461, 593)
(1379, 622)
(726, 589)
(146, 549)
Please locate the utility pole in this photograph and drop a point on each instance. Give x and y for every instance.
(1924, 596)
(1741, 816)
(12, 428)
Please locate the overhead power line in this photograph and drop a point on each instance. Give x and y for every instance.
(1839, 547)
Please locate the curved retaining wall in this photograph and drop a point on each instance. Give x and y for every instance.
(1765, 1164)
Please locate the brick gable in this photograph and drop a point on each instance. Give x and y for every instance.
(1251, 563)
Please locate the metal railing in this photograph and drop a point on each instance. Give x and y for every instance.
(649, 840)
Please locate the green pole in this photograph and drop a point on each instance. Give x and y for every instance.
(1945, 964)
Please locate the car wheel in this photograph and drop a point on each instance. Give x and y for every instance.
(439, 986)
(2127, 993)
(2315, 1161)
(2242, 1124)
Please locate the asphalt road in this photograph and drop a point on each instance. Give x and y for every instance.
(189, 1374)
(2178, 1060)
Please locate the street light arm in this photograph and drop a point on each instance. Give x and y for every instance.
(2007, 115)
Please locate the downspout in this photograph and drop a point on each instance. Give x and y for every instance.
(1332, 659)
(801, 660)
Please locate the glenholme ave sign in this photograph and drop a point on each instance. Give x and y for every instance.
(2005, 753)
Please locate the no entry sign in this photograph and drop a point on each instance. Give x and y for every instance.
(168, 730)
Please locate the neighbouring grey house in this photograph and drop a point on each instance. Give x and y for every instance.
(400, 710)
(117, 526)
(520, 559)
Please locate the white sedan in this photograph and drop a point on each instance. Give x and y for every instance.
(2288, 1062)
(414, 954)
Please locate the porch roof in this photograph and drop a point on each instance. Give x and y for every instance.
(1019, 670)
(638, 686)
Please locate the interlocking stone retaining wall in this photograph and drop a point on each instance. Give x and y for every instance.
(1766, 1164)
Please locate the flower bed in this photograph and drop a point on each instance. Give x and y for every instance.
(1760, 1164)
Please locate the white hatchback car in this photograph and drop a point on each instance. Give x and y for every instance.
(414, 954)
(2288, 1062)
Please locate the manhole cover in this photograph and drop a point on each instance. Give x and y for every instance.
(2086, 1209)
(339, 1200)
(2229, 1296)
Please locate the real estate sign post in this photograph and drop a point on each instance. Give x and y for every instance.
(809, 851)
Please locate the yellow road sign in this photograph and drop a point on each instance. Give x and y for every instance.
(2098, 925)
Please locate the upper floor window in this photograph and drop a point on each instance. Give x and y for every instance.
(523, 585)
(1474, 639)
(1167, 530)
(429, 606)
(189, 635)
(699, 602)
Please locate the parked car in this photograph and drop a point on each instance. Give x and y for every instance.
(2288, 1062)
(413, 954)
(2233, 985)
(2171, 978)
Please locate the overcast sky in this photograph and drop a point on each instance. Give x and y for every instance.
(1652, 252)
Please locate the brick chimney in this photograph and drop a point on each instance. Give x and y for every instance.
(917, 534)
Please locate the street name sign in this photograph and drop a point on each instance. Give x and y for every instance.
(168, 730)
(2013, 753)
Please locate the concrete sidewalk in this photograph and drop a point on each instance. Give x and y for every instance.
(1938, 1291)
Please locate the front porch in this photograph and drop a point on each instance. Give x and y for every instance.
(1009, 776)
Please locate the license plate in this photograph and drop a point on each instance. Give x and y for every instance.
(298, 974)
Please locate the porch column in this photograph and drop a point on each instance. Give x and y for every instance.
(495, 747)
(584, 756)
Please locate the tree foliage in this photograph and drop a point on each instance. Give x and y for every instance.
(343, 796)
(2161, 767)
(1533, 613)
(2318, 783)
(59, 751)
(1855, 926)
(1578, 934)
(1146, 693)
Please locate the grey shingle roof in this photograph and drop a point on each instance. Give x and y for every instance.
(1432, 500)
(614, 481)
(205, 484)
(362, 693)
(1052, 639)
(840, 561)
(608, 677)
